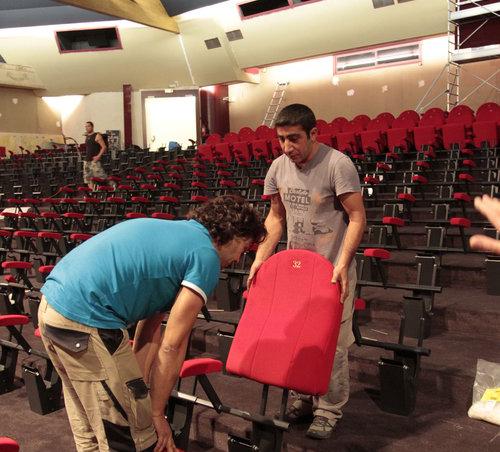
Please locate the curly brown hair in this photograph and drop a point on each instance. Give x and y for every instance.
(227, 217)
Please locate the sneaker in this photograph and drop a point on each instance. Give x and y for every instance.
(321, 428)
(298, 411)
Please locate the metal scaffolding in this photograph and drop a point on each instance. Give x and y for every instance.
(460, 12)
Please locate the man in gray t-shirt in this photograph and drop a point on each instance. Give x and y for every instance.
(315, 190)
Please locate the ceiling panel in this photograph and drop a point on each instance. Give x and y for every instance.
(175, 7)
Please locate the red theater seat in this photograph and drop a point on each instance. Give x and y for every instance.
(291, 307)
(8, 445)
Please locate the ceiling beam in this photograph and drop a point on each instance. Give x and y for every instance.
(146, 12)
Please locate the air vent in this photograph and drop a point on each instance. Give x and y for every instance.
(405, 53)
(382, 3)
(87, 40)
(234, 35)
(212, 43)
(255, 7)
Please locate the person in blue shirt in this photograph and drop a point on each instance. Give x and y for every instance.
(132, 274)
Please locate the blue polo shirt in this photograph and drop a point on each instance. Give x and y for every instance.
(132, 271)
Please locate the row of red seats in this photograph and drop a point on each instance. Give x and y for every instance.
(436, 129)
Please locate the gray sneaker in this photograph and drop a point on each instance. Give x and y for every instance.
(321, 428)
(298, 411)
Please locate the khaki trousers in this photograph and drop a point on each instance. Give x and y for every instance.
(330, 405)
(106, 399)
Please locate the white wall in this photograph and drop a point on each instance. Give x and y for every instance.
(105, 110)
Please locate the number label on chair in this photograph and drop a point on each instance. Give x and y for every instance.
(296, 264)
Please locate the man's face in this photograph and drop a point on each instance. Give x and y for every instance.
(232, 250)
(89, 128)
(295, 143)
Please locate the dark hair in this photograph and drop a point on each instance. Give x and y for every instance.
(297, 115)
(227, 217)
(90, 122)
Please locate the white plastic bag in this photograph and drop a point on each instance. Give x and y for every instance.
(486, 393)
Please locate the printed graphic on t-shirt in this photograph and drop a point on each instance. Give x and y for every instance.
(298, 199)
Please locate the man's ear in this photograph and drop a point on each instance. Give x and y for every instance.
(313, 134)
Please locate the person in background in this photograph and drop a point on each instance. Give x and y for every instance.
(95, 147)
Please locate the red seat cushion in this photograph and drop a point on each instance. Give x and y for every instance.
(32, 201)
(50, 235)
(393, 155)
(9, 214)
(359, 304)
(293, 308)
(228, 183)
(462, 197)
(258, 182)
(163, 216)
(80, 236)
(45, 269)
(132, 215)
(27, 215)
(13, 320)
(125, 187)
(170, 199)
(76, 216)
(171, 185)
(395, 221)
(142, 199)
(200, 366)
(199, 185)
(8, 445)
(378, 253)
(91, 200)
(149, 187)
(460, 222)
(371, 180)
(223, 173)
(10, 279)
(5, 233)
(21, 265)
(383, 166)
(53, 215)
(420, 179)
(406, 197)
(198, 198)
(28, 234)
(469, 163)
(37, 334)
(466, 177)
(84, 189)
(69, 201)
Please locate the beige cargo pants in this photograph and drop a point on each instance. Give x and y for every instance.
(106, 399)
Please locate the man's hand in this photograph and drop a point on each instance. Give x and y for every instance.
(253, 271)
(164, 432)
(490, 208)
(340, 275)
(96, 158)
